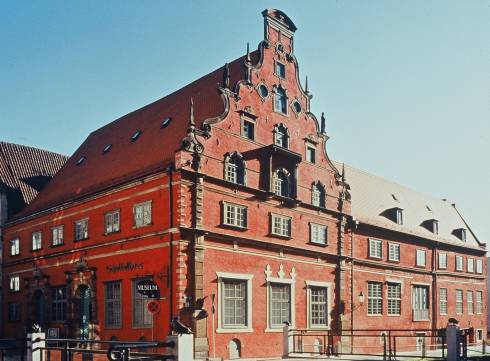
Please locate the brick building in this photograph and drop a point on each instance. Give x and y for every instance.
(222, 193)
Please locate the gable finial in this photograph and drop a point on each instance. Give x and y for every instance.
(248, 52)
(322, 125)
(306, 85)
(191, 114)
(226, 76)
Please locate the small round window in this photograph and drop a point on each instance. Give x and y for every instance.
(135, 135)
(297, 107)
(81, 160)
(263, 91)
(166, 122)
(107, 148)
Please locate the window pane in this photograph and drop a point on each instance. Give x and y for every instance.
(280, 298)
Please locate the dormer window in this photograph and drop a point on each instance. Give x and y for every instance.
(399, 216)
(282, 183)
(432, 225)
(280, 101)
(165, 122)
(106, 148)
(460, 233)
(81, 160)
(235, 168)
(135, 135)
(281, 136)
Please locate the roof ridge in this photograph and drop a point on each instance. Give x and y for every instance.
(2, 142)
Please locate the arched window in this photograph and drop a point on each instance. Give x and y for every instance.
(318, 194)
(282, 183)
(235, 168)
(280, 101)
(281, 136)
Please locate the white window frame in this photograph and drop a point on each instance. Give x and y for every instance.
(116, 303)
(144, 301)
(442, 260)
(391, 252)
(395, 299)
(282, 219)
(479, 266)
(459, 263)
(478, 302)
(292, 304)
(315, 230)
(242, 129)
(443, 301)
(328, 287)
(459, 302)
(470, 302)
(77, 223)
(14, 283)
(418, 258)
(233, 207)
(470, 265)
(143, 205)
(57, 235)
(375, 245)
(36, 241)
(377, 297)
(15, 246)
(109, 225)
(234, 276)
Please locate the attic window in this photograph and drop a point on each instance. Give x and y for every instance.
(81, 160)
(399, 216)
(135, 135)
(107, 148)
(165, 122)
(432, 225)
(460, 233)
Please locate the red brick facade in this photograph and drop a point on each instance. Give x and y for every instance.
(249, 219)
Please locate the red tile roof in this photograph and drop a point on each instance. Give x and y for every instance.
(152, 151)
(25, 170)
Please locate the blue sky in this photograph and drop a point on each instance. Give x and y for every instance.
(404, 84)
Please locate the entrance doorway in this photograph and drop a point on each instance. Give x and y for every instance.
(38, 308)
(85, 311)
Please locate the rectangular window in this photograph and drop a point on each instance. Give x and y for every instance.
(235, 215)
(459, 301)
(394, 298)
(310, 154)
(318, 306)
(141, 316)
(234, 303)
(421, 258)
(14, 283)
(112, 304)
(14, 311)
(420, 303)
(479, 266)
(479, 302)
(280, 304)
(15, 247)
(394, 252)
(469, 301)
(142, 214)
(248, 129)
(459, 263)
(470, 265)
(281, 225)
(58, 304)
(57, 236)
(443, 301)
(375, 298)
(442, 260)
(112, 221)
(37, 242)
(399, 216)
(280, 70)
(375, 248)
(318, 233)
(81, 229)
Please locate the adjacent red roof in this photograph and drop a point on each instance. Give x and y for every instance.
(24, 171)
(153, 150)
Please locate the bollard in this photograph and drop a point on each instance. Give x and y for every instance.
(183, 349)
(452, 342)
(484, 347)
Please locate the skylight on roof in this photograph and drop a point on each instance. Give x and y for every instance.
(81, 160)
(107, 148)
(135, 135)
(165, 122)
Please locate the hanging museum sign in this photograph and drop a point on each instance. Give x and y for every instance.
(148, 288)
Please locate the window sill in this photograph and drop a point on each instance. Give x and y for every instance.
(111, 233)
(394, 315)
(235, 330)
(375, 258)
(287, 238)
(36, 250)
(380, 315)
(143, 225)
(15, 255)
(424, 320)
(56, 245)
(237, 228)
(81, 239)
(318, 244)
(318, 328)
(274, 330)
(394, 261)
